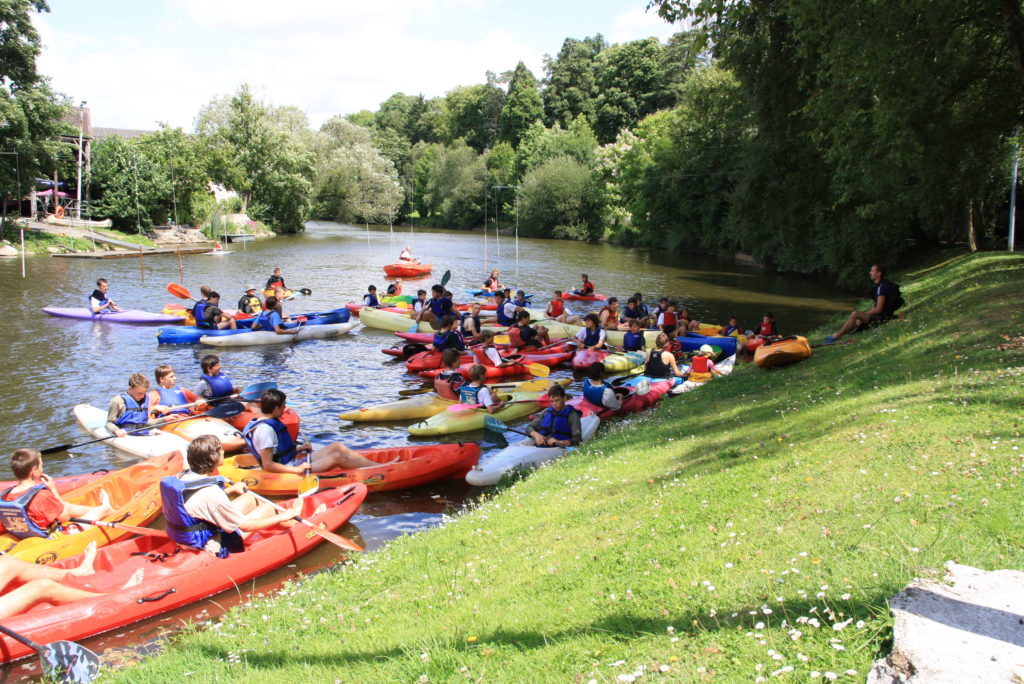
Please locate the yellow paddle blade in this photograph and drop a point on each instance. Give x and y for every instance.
(538, 369)
(310, 484)
(537, 384)
(502, 339)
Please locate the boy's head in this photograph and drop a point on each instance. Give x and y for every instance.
(584, 276)
(661, 340)
(523, 317)
(271, 400)
(421, 293)
(486, 336)
(520, 294)
(24, 461)
(558, 294)
(101, 282)
(372, 288)
(596, 372)
(592, 318)
(634, 325)
(437, 290)
(733, 321)
(214, 297)
(613, 302)
(271, 302)
(448, 321)
(768, 316)
(138, 384)
(205, 454)
(557, 396)
(499, 296)
(162, 371)
(210, 360)
(451, 357)
(477, 373)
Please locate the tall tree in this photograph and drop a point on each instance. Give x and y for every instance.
(522, 107)
(472, 113)
(570, 84)
(632, 83)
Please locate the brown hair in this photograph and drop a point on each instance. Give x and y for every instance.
(477, 372)
(138, 380)
(202, 454)
(208, 362)
(450, 357)
(162, 371)
(23, 461)
(272, 399)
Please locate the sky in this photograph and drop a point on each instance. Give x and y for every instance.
(138, 63)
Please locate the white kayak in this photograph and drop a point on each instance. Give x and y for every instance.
(261, 337)
(523, 455)
(142, 445)
(724, 367)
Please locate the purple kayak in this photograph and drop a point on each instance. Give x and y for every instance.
(128, 316)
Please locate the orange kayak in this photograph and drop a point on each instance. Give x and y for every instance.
(416, 465)
(782, 352)
(290, 419)
(134, 495)
(407, 269)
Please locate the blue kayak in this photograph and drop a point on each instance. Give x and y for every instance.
(189, 334)
(485, 293)
(692, 342)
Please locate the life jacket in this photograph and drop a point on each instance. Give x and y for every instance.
(591, 337)
(521, 303)
(448, 383)
(286, 447)
(99, 297)
(448, 340)
(628, 313)
(370, 300)
(503, 317)
(136, 414)
(766, 329)
(440, 307)
(15, 518)
(173, 396)
(669, 318)
(729, 330)
(642, 309)
(587, 288)
(515, 336)
(481, 356)
(469, 394)
(611, 316)
(557, 308)
(699, 364)
(594, 393)
(656, 366)
(462, 323)
(268, 320)
(250, 304)
(199, 313)
(556, 424)
(632, 341)
(186, 530)
(220, 386)
(274, 282)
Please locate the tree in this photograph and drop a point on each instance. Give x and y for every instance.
(570, 85)
(472, 113)
(450, 183)
(539, 144)
(354, 181)
(130, 185)
(631, 83)
(522, 107)
(560, 198)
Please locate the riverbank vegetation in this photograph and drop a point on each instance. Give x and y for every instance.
(747, 531)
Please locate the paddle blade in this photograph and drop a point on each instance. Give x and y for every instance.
(535, 385)
(305, 291)
(445, 278)
(255, 391)
(414, 327)
(310, 484)
(226, 410)
(502, 339)
(179, 291)
(66, 661)
(538, 369)
(492, 423)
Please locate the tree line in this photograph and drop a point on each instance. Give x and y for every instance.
(816, 137)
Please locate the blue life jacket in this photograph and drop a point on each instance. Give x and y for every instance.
(469, 394)
(199, 313)
(370, 300)
(136, 414)
(441, 307)
(502, 318)
(591, 337)
(182, 528)
(286, 447)
(557, 425)
(633, 341)
(643, 310)
(594, 393)
(220, 386)
(448, 340)
(14, 514)
(173, 397)
(268, 320)
(521, 302)
(729, 330)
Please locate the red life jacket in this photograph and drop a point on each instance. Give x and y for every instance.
(699, 364)
(557, 308)
(514, 336)
(611, 316)
(448, 384)
(669, 319)
(588, 288)
(482, 357)
(766, 329)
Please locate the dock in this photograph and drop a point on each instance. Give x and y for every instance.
(130, 253)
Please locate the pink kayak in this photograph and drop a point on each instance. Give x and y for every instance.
(635, 401)
(127, 316)
(572, 296)
(585, 358)
(549, 360)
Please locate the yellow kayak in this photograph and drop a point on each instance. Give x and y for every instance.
(392, 322)
(451, 422)
(134, 494)
(426, 405)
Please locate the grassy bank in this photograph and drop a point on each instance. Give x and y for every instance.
(40, 243)
(752, 529)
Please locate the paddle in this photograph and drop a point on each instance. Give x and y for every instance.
(445, 278)
(305, 291)
(146, 531)
(335, 539)
(180, 292)
(536, 369)
(492, 423)
(65, 661)
(226, 410)
(456, 408)
(310, 483)
(250, 393)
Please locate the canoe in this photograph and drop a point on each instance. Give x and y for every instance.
(391, 322)
(754, 342)
(523, 455)
(128, 316)
(179, 309)
(288, 294)
(585, 358)
(171, 579)
(544, 359)
(397, 299)
(452, 422)
(430, 359)
(407, 269)
(156, 443)
(264, 337)
(417, 407)
(572, 296)
(189, 334)
(416, 465)
(635, 402)
(290, 419)
(782, 352)
(134, 496)
(354, 308)
(619, 362)
(229, 436)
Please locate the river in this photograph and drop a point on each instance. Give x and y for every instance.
(52, 364)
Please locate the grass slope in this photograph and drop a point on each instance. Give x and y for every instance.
(751, 530)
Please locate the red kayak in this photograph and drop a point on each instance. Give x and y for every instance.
(407, 269)
(572, 296)
(585, 358)
(483, 307)
(290, 419)
(635, 401)
(429, 360)
(170, 578)
(545, 359)
(66, 483)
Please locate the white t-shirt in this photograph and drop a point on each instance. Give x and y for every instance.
(509, 309)
(417, 304)
(494, 356)
(484, 396)
(264, 437)
(95, 303)
(212, 505)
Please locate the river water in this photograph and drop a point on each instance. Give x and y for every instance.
(52, 364)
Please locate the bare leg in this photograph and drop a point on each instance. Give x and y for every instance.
(856, 319)
(337, 455)
(95, 512)
(27, 595)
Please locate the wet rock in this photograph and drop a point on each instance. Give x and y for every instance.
(8, 250)
(967, 629)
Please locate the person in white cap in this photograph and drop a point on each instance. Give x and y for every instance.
(250, 302)
(702, 367)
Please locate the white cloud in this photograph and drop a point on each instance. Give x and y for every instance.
(640, 23)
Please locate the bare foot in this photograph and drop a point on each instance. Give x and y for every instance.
(88, 558)
(134, 580)
(104, 499)
(320, 509)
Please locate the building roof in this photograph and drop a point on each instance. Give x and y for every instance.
(126, 133)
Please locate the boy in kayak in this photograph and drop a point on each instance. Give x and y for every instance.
(609, 314)
(33, 507)
(601, 393)
(213, 385)
(370, 298)
(406, 255)
(634, 340)
(733, 326)
(493, 284)
(448, 382)
(523, 335)
(271, 319)
(592, 335)
(667, 321)
(435, 308)
(98, 300)
(420, 301)
(469, 325)
(660, 362)
(447, 338)
(275, 281)
(558, 311)
(587, 288)
(167, 395)
(208, 314)
(557, 425)
(250, 302)
(274, 450)
(486, 353)
(130, 410)
(634, 312)
(476, 392)
(504, 310)
(395, 288)
(200, 517)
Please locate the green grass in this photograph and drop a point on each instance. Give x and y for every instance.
(757, 524)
